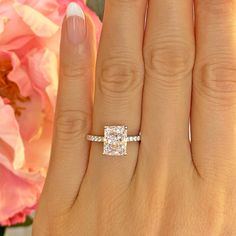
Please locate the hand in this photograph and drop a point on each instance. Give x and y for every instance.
(151, 80)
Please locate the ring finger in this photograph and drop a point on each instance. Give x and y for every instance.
(119, 83)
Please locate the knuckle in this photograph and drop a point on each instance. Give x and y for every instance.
(72, 72)
(119, 78)
(216, 82)
(71, 123)
(171, 61)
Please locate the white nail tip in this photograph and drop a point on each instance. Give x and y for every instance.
(73, 9)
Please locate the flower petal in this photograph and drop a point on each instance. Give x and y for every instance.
(16, 43)
(10, 134)
(18, 196)
(18, 73)
(43, 71)
(49, 68)
(3, 21)
(37, 151)
(31, 119)
(39, 24)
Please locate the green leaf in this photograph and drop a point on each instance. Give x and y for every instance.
(28, 222)
(97, 6)
(2, 230)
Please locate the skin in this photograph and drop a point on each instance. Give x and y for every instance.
(154, 81)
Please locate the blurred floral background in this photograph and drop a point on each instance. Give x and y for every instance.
(29, 48)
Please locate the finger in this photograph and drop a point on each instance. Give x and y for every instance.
(119, 83)
(70, 149)
(214, 92)
(169, 58)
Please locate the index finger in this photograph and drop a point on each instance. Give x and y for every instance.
(74, 104)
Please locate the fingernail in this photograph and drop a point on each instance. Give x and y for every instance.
(76, 27)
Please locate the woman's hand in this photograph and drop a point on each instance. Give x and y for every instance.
(151, 80)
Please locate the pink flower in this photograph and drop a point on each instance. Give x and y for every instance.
(29, 43)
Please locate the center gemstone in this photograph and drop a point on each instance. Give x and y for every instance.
(115, 140)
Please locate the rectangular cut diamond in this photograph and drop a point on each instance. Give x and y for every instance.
(115, 143)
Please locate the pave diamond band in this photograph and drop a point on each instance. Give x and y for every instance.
(95, 138)
(100, 139)
(115, 140)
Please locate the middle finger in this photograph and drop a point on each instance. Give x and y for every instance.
(169, 58)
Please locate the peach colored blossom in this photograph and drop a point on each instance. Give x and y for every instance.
(29, 45)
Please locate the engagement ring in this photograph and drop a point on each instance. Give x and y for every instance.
(115, 140)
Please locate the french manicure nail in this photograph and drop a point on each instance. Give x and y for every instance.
(76, 27)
